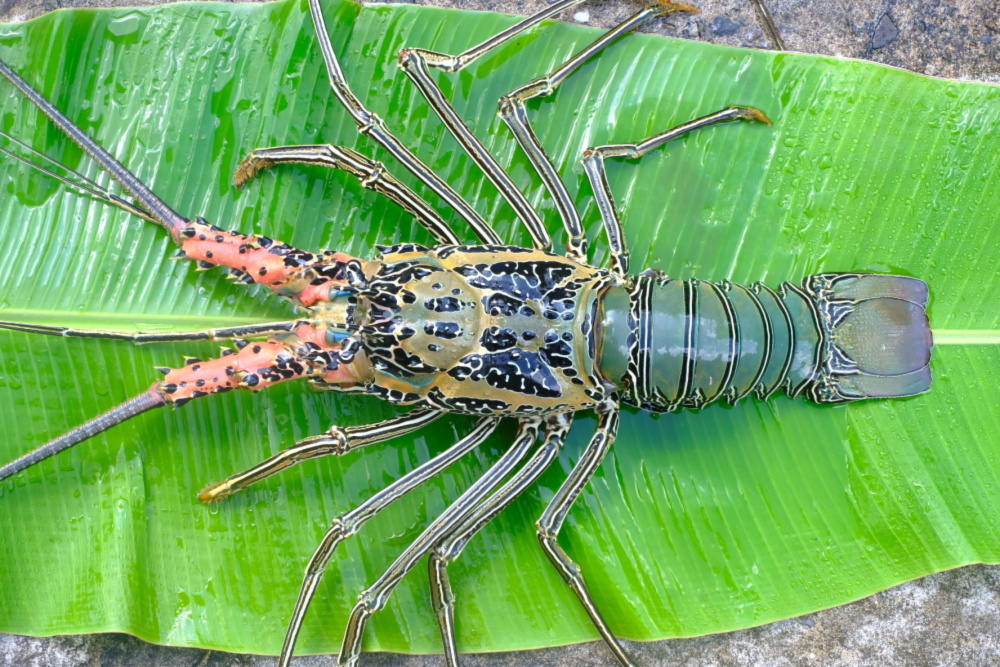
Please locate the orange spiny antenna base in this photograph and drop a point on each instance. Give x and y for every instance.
(253, 366)
(304, 277)
(258, 365)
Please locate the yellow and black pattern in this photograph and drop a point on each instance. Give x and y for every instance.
(501, 330)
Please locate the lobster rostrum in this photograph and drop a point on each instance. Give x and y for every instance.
(496, 330)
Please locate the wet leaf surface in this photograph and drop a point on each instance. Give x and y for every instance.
(697, 523)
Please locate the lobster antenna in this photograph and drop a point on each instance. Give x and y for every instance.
(88, 186)
(162, 214)
(130, 408)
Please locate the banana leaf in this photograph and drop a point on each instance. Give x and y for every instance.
(697, 523)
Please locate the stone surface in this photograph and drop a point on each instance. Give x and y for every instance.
(949, 618)
(944, 619)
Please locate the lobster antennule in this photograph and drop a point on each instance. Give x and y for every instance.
(163, 215)
(134, 406)
(84, 184)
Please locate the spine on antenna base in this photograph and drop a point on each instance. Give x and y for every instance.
(302, 276)
(259, 365)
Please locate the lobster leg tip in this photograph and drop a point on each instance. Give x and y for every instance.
(248, 169)
(679, 7)
(751, 114)
(214, 493)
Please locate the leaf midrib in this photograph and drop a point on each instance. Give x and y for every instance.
(168, 322)
(158, 321)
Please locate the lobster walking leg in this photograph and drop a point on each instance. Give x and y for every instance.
(370, 125)
(514, 114)
(414, 64)
(374, 598)
(555, 514)
(348, 524)
(372, 174)
(450, 546)
(337, 441)
(455, 63)
(593, 165)
(417, 71)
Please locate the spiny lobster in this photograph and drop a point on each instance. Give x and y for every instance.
(502, 331)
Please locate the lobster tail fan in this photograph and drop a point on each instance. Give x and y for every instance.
(130, 408)
(877, 336)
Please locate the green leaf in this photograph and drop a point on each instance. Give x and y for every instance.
(696, 523)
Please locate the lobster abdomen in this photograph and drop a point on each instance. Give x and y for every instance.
(838, 337)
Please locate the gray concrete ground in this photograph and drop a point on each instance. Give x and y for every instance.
(949, 618)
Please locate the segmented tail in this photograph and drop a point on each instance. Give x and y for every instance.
(838, 337)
